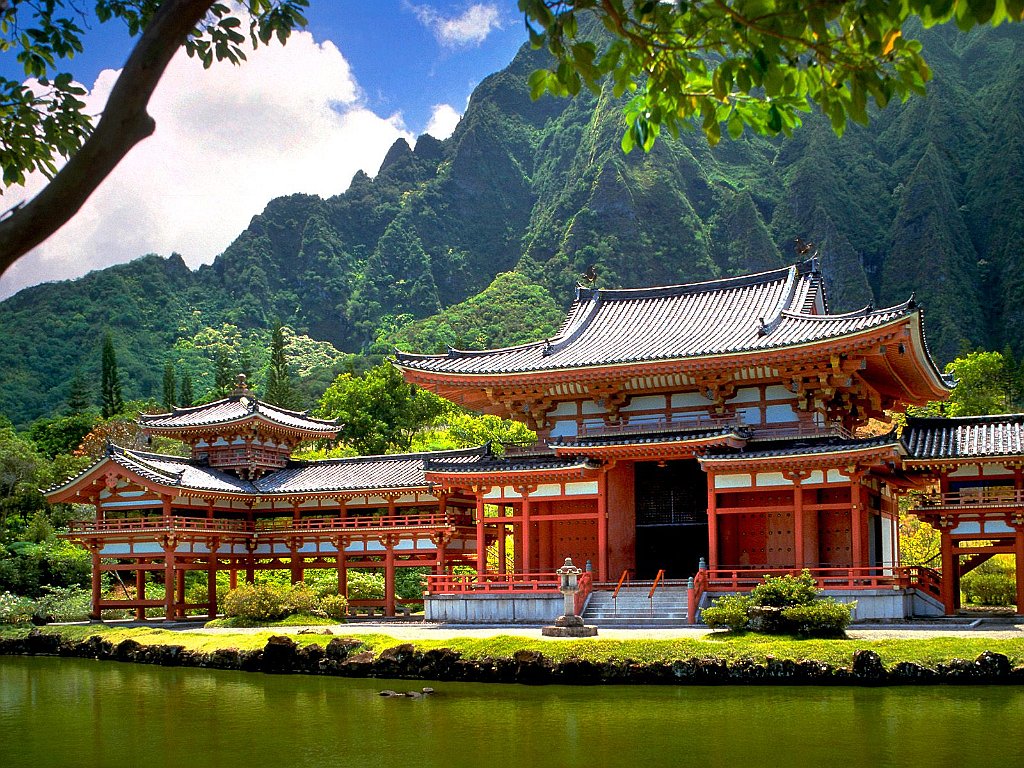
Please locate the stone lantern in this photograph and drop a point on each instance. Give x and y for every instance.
(569, 624)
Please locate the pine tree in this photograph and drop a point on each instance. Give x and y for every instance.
(111, 401)
(185, 397)
(280, 390)
(170, 398)
(222, 378)
(79, 399)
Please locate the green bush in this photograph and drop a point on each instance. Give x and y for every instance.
(257, 602)
(998, 588)
(729, 612)
(783, 591)
(301, 599)
(364, 585)
(334, 606)
(14, 609)
(822, 618)
(64, 604)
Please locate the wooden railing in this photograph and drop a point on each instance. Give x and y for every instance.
(871, 577)
(679, 425)
(695, 593)
(973, 497)
(360, 522)
(623, 579)
(443, 584)
(159, 524)
(657, 580)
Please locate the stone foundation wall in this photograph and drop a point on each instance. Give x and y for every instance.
(493, 608)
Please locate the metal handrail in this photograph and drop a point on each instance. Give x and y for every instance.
(654, 586)
(615, 595)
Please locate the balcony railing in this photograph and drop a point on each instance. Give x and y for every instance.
(115, 525)
(445, 584)
(869, 577)
(974, 498)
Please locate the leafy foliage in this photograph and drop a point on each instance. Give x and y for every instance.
(741, 64)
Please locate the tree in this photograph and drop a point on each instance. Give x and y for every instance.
(222, 375)
(980, 385)
(45, 118)
(379, 411)
(170, 396)
(186, 397)
(79, 400)
(279, 390)
(111, 401)
(744, 63)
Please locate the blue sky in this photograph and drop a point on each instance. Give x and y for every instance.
(299, 119)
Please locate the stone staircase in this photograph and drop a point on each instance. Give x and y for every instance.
(632, 608)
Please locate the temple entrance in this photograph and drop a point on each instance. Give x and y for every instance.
(671, 518)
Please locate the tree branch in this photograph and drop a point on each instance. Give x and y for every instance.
(124, 124)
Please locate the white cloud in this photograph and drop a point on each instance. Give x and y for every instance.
(228, 140)
(468, 29)
(443, 120)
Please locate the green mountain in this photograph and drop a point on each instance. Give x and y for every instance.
(928, 199)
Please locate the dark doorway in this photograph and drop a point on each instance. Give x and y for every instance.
(671, 518)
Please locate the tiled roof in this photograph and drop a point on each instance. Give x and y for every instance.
(532, 462)
(644, 437)
(178, 472)
(360, 473)
(741, 314)
(964, 437)
(231, 409)
(799, 446)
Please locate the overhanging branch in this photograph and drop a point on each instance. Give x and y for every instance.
(124, 124)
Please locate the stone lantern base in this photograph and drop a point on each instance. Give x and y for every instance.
(569, 626)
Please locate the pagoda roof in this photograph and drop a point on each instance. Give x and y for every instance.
(754, 313)
(964, 437)
(759, 449)
(535, 461)
(239, 407)
(655, 434)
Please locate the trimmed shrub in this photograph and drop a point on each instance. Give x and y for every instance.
(15, 609)
(730, 612)
(257, 602)
(822, 618)
(783, 591)
(998, 588)
(301, 599)
(334, 606)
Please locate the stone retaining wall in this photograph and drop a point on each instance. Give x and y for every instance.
(342, 657)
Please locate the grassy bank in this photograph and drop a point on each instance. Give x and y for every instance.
(925, 651)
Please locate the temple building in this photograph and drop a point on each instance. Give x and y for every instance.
(690, 438)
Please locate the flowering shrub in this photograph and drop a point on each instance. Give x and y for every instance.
(14, 609)
(273, 602)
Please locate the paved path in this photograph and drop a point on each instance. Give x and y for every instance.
(416, 631)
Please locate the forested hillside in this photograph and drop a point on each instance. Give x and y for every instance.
(928, 199)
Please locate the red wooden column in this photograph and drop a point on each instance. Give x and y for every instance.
(799, 557)
(1018, 556)
(856, 521)
(389, 576)
(169, 579)
(233, 577)
(440, 542)
(602, 526)
(502, 568)
(481, 541)
(949, 565)
(140, 592)
(179, 602)
(525, 528)
(342, 566)
(712, 522)
(211, 582)
(97, 594)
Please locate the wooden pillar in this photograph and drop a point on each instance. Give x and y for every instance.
(481, 540)
(233, 578)
(97, 584)
(140, 592)
(602, 527)
(169, 581)
(856, 522)
(389, 576)
(342, 566)
(392, 507)
(799, 558)
(712, 523)
(440, 542)
(524, 528)
(211, 586)
(949, 566)
(1018, 556)
(501, 547)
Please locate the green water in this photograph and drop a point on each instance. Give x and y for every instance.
(66, 712)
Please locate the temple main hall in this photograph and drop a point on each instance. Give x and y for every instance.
(691, 438)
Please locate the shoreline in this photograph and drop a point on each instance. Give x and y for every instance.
(505, 659)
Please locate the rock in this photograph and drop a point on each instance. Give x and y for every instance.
(279, 655)
(224, 658)
(909, 672)
(867, 667)
(309, 658)
(427, 691)
(358, 665)
(42, 643)
(339, 648)
(388, 692)
(169, 655)
(127, 650)
(531, 667)
(993, 666)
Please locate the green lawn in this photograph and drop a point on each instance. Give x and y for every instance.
(927, 651)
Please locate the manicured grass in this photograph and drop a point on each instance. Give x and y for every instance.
(927, 651)
(298, 620)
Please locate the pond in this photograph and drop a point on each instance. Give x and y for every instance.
(72, 712)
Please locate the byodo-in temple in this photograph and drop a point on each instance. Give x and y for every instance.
(691, 439)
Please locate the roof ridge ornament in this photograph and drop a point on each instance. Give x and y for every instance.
(241, 389)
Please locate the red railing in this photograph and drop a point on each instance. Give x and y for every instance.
(923, 578)
(159, 524)
(361, 522)
(657, 580)
(679, 425)
(996, 496)
(583, 589)
(872, 577)
(443, 584)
